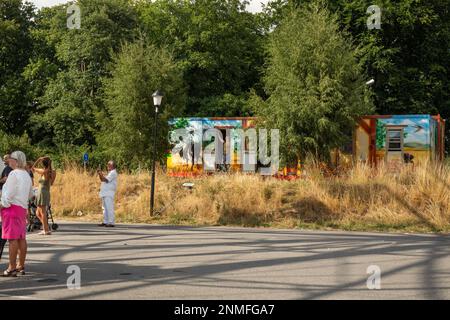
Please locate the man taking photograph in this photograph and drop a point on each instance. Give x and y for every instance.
(107, 193)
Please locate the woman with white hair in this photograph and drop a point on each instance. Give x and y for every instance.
(16, 193)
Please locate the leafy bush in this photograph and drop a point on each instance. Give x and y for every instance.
(10, 143)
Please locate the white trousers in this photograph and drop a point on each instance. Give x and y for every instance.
(108, 210)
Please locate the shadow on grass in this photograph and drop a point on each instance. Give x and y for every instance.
(310, 210)
(365, 193)
(314, 212)
(240, 217)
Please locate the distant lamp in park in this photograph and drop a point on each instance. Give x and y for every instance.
(157, 100)
(370, 82)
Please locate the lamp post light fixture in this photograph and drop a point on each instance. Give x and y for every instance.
(157, 99)
(370, 82)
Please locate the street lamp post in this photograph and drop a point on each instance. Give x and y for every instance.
(157, 98)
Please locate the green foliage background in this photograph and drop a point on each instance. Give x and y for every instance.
(64, 92)
(316, 86)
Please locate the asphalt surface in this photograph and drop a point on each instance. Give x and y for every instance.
(161, 262)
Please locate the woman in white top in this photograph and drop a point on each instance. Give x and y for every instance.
(16, 193)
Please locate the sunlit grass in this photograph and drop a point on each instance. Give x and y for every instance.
(366, 199)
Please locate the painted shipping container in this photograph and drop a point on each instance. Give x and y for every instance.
(395, 139)
(182, 161)
(399, 139)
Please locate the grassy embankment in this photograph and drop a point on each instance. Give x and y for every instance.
(413, 200)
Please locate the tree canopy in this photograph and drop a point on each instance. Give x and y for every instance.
(15, 46)
(316, 86)
(218, 44)
(57, 86)
(409, 57)
(128, 123)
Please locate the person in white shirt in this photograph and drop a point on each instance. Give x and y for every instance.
(107, 193)
(16, 193)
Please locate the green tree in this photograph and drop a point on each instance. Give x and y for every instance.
(68, 109)
(43, 65)
(15, 47)
(316, 86)
(138, 71)
(409, 57)
(10, 143)
(218, 44)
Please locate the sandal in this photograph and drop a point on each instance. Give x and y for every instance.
(10, 273)
(20, 271)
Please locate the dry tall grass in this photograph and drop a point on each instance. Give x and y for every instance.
(414, 199)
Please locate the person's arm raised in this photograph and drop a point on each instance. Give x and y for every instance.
(101, 176)
(37, 170)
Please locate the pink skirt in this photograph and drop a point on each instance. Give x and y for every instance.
(14, 223)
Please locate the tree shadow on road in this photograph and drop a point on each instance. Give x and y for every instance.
(178, 259)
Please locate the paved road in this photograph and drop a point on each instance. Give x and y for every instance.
(160, 262)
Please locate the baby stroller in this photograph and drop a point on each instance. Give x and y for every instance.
(33, 221)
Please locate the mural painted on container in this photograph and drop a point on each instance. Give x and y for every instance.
(409, 138)
(399, 139)
(416, 132)
(188, 158)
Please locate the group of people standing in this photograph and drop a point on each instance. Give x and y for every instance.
(16, 189)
